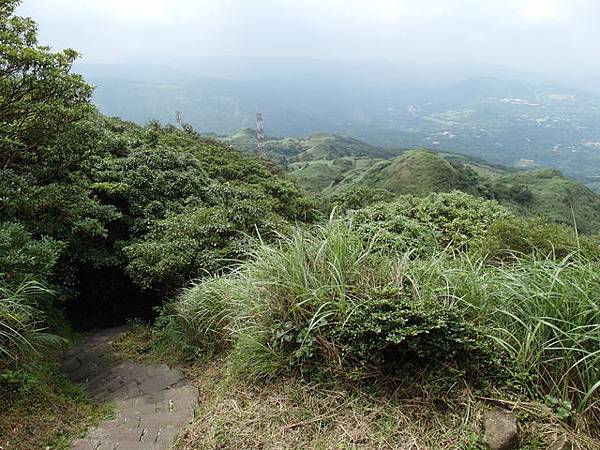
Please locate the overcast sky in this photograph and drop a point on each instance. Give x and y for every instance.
(560, 36)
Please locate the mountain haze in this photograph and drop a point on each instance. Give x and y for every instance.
(504, 116)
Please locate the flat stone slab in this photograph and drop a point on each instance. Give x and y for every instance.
(152, 403)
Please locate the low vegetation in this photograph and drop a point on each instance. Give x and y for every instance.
(421, 411)
(333, 303)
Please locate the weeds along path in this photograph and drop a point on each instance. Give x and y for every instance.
(151, 403)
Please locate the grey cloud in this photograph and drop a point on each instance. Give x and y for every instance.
(553, 36)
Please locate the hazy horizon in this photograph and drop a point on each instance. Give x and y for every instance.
(552, 37)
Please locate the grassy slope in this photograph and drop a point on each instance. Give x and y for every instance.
(417, 172)
(327, 176)
(554, 195)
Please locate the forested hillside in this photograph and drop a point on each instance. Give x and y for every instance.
(339, 296)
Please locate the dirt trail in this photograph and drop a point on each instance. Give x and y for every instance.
(151, 404)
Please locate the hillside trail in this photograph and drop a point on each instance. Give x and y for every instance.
(151, 403)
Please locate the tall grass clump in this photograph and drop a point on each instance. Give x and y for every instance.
(326, 299)
(22, 330)
(545, 313)
(209, 310)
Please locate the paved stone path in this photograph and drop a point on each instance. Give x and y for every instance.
(151, 403)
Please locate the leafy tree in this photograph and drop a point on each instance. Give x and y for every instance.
(39, 96)
(148, 183)
(224, 164)
(118, 200)
(198, 242)
(23, 258)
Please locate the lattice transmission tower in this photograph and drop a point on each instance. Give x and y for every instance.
(182, 124)
(260, 136)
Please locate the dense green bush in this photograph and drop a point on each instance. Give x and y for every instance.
(148, 183)
(212, 201)
(198, 242)
(393, 328)
(357, 197)
(516, 237)
(225, 165)
(389, 231)
(24, 258)
(452, 219)
(151, 205)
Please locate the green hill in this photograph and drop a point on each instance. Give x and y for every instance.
(315, 147)
(417, 172)
(313, 164)
(554, 197)
(327, 176)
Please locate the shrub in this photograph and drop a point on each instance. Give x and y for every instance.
(391, 232)
(198, 242)
(148, 183)
(357, 197)
(22, 257)
(515, 236)
(392, 328)
(452, 219)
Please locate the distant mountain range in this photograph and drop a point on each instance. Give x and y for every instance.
(506, 117)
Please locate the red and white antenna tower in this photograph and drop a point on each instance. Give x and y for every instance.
(260, 136)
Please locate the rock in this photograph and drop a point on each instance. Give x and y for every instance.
(500, 430)
(563, 443)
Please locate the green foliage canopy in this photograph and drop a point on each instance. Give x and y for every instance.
(449, 219)
(39, 96)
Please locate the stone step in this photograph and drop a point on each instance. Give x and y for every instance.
(151, 403)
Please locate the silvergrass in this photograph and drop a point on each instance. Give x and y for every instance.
(22, 332)
(543, 313)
